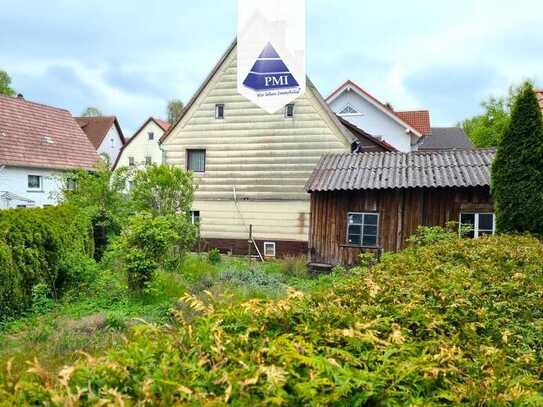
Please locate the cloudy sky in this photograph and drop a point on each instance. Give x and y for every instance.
(129, 58)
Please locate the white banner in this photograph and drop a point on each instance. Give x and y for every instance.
(271, 51)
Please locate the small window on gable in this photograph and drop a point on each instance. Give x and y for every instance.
(219, 111)
(151, 135)
(474, 225)
(269, 249)
(363, 229)
(289, 110)
(131, 161)
(348, 109)
(148, 160)
(196, 160)
(35, 182)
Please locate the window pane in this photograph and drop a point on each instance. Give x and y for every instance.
(151, 135)
(371, 219)
(355, 219)
(369, 240)
(196, 160)
(467, 220)
(354, 239)
(486, 221)
(219, 111)
(34, 181)
(370, 230)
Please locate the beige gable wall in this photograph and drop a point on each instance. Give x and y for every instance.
(141, 147)
(266, 158)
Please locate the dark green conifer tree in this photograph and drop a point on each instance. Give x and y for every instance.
(517, 172)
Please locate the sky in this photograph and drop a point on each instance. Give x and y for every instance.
(128, 58)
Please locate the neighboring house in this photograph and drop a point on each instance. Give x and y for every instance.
(143, 147)
(446, 138)
(105, 135)
(251, 166)
(539, 94)
(375, 201)
(402, 130)
(37, 143)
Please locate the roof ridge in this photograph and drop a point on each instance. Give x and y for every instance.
(23, 100)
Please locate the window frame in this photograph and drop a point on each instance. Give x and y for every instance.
(476, 229)
(349, 106)
(131, 161)
(291, 116)
(217, 115)
(363, 214)
(150, 135)
(188, 161)
(148, 160)
(193, 217)
(271, 244)
(34, 189)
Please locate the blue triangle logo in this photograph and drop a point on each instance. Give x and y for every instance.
(269, 72)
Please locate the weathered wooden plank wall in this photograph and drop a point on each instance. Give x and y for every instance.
(401, 212)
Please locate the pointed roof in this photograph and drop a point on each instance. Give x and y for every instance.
(350, 85)
(41, 136)
(96, 128)
(348, 136)
(419, 119)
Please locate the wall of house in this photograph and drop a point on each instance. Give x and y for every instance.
(111, 145)
(140, 146)
(266, 158)
(401, 212)
(372, 120)
(15, 180)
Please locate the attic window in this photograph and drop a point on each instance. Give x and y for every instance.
(289, 110)
(219, 112)
(151, 135)
(348, 110)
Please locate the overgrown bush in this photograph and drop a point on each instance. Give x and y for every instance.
(427, 235)
(459, 322)
(294, 266)
(214, 256)
(147, 242)
(33, 246)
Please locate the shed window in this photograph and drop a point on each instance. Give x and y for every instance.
(219, 111)
(35, 182)
(363, 229)
(289, 110)
(196, 160)
(474, 225)
(151, 135)
(269, 249)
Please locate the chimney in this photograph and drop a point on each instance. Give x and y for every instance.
(20, 96)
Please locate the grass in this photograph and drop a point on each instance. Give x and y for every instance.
(98, 317)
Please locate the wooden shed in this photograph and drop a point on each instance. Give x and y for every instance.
(375, 201)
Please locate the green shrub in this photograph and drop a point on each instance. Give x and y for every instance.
(33, 243)
(293, 266)
(459, 322)
(427, 235)
(41, 298)
(214, 256)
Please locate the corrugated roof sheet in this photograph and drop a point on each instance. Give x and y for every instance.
(389, 170)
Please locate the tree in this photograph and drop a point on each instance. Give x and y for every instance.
(174, 110)
(101, 192)
(91, 112)
(162, 189)
(485, 130)
(5, 82)
(517, 172)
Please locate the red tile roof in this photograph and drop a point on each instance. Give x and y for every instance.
(96, 128)
(40, 136)
(164, 125)
(419, 119)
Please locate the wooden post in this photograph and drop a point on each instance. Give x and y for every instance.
(250, 242)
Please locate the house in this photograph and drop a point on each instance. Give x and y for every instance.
(402, 130)
(37, 143)
(105, 134)
(251, 166)
(539, 94)
(375, 201)
(143, 147)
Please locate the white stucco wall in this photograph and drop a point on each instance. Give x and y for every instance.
(372, 120)
(140, 146)
(15, 180)
(111, 145)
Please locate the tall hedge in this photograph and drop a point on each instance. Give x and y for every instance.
(33, 243)
(517, 173)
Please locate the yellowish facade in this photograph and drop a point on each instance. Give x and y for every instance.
(257, 163)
